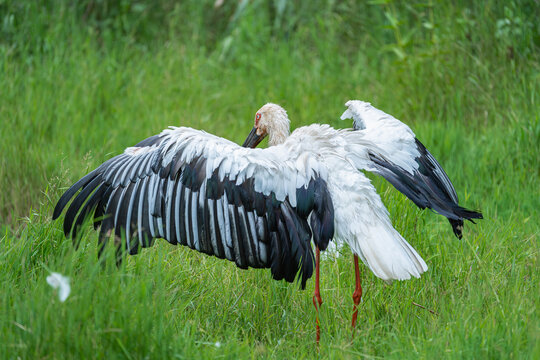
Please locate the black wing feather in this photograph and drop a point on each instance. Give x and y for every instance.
(134, 195)
(428, 187)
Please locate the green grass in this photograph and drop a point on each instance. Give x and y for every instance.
(73, 93)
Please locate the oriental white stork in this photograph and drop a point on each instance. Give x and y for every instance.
(250, 206)
(383, 145)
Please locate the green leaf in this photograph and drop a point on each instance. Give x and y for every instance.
(392, 19)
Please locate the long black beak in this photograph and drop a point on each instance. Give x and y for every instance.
(253, 139)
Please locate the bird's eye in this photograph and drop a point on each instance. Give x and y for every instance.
(257, 118)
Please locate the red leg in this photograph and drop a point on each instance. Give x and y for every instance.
(357, 295)
(317, 301)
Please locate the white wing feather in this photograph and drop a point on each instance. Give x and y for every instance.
(240, 163)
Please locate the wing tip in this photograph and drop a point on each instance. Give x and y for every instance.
(57, 210)
(457, 224)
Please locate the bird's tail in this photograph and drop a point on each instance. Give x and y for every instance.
(363, 222)
(388, 255)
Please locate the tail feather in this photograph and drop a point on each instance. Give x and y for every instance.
(388, 255)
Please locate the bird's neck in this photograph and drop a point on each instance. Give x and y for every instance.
(277, 137)
(279, 131)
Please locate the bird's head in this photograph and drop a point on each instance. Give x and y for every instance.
(271, 120)
(357, 111)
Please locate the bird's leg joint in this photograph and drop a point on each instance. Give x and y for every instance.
(357, 295)
(317, 301)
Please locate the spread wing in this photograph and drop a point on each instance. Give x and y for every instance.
(250, 206)
(404, 161)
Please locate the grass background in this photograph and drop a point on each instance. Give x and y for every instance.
(80, 81)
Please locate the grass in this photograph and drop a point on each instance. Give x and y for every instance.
(73, 94)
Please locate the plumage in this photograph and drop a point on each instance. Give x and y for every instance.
(359, 217)
(261, 207)
(209, 194)
(346, 204)
(398, 156)
(76, 204)
(89, 206)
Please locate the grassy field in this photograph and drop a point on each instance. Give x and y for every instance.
(80, 81)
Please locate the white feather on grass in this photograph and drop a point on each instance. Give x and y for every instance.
(60, 282)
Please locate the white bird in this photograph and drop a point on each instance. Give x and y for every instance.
(361, 220)
(383, 145)
(250, 206)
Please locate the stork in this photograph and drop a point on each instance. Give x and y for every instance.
(250, 206)
(385, 146)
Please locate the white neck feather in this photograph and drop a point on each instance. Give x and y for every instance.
(278, 136)
(277, 124)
